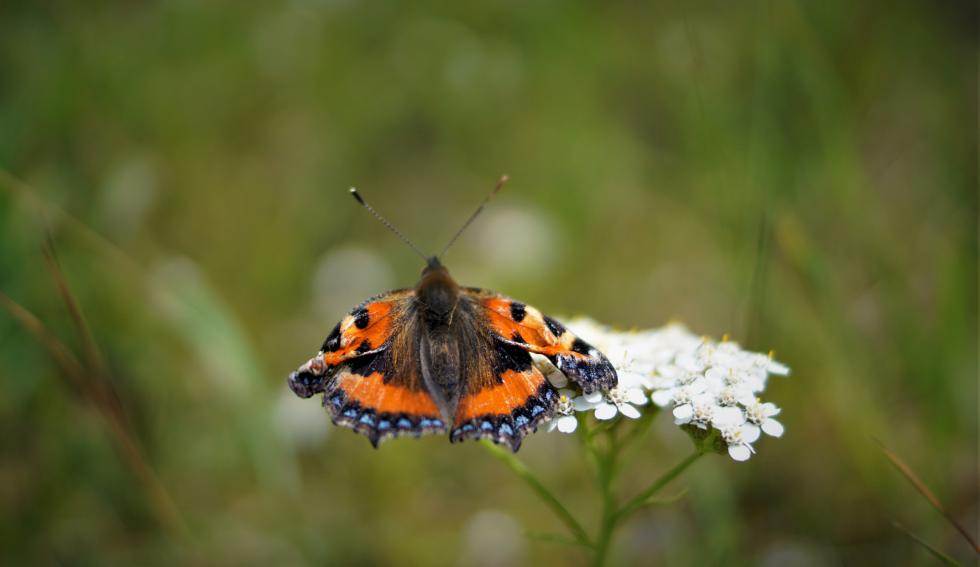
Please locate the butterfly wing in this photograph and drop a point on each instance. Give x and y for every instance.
(525, 327)
(367, 371)
(504, 398)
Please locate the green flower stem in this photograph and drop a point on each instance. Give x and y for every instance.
(641, 499)
(611, 516)
(605, 458)
(605, 473)
(521, 470)
(639, 427)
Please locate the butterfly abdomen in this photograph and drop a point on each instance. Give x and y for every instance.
(439, 362)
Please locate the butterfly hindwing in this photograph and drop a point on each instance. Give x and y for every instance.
(506, 401)
(366, 386)
(360, 397)
(520, 324)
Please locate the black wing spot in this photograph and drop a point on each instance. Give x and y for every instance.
(364, 346)
(361, 317)
(369, 364)
(556, 328)
(509, 357)
(517, 311)
(517, 338)
(581, 346)
(332, 342)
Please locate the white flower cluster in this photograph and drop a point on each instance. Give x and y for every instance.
(707, 384)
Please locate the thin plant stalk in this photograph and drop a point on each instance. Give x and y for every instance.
(643, 497)
(922, 489)
(552, 502)
(604, 458)
(80, 377)
(605, 466)
(939, 555)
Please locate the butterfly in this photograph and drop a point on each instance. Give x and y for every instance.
(442, 357)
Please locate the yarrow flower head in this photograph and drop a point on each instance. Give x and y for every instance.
(711, 387)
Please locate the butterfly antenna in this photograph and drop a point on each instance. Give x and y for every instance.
(385, 222)
(476, 213)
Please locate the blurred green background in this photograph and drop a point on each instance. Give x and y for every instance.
(802, 176)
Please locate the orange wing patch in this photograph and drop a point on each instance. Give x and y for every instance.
(365, 329)
(506, 412)
(372, 392)
(525, 326)
(542, 334)
(380, 410)
(513, 392)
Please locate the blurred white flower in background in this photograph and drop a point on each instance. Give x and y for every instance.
(129, 192)
(708, 385)
(492, 538)
(302, 425)
(496, 243)
(343, 273)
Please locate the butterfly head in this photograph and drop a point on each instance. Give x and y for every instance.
(436, 289)
(432, 264)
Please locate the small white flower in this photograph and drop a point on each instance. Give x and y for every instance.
(759, 416)
(739, 439)
(605, 411)
(738, 378)
(631, 375)
(662, 398)
(777, 368)
(566, 424)
(704, 412)
(729, 396)
(587, 402)
(565, 420)
(620, 401)
(682, 394)
(699, 412)
(769, 365)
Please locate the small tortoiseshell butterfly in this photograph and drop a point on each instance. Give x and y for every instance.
(444, 357)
